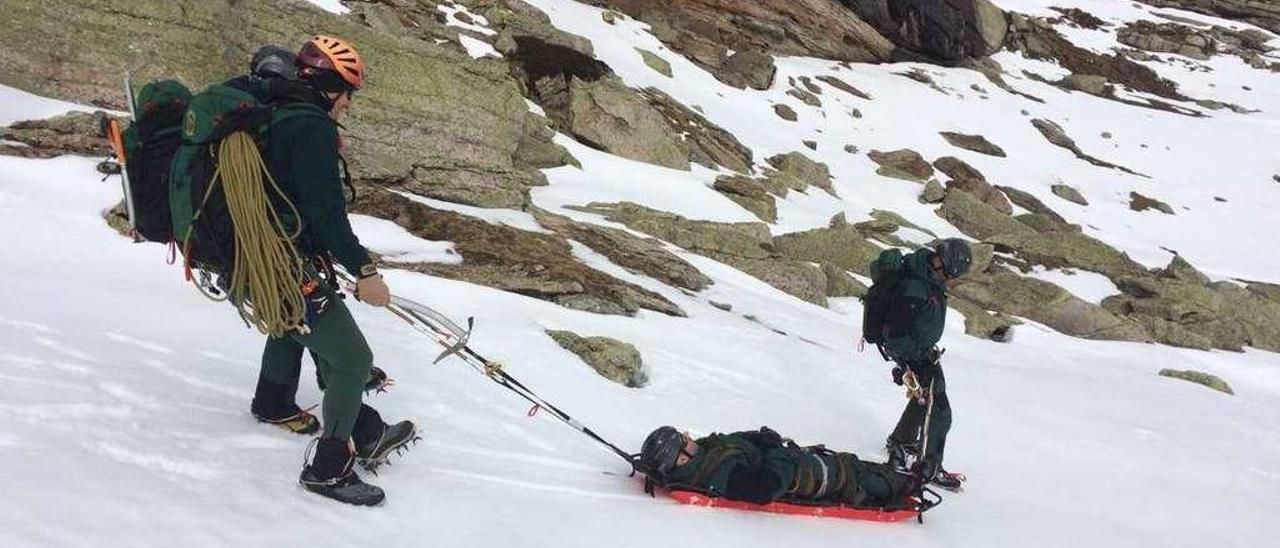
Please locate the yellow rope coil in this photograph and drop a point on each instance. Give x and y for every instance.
(267, 276)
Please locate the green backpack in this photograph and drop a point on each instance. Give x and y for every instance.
(886, 271)
(202, 224)
(149, 145)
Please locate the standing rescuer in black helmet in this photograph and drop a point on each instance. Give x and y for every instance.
(913, 322)
(302, 153)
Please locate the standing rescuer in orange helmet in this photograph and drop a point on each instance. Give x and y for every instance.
(302, 155)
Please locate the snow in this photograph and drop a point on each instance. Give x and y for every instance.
(1090, 286)
(477, 48)
(331, 6)
(398, 245)
(479, 24)
(126, 394)
(517, 219)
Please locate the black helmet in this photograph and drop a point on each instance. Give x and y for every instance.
(273, 61)
(661, 449)
(955, 255)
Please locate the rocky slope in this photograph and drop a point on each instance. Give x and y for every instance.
(447, 116)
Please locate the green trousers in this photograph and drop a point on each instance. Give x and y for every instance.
(342, 356)
(908, 431)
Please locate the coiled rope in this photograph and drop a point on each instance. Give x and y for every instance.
(268, 272)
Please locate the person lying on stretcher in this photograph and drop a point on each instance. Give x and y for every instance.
(762, 467)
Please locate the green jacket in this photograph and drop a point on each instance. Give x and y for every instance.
(743, 465)
(918, 310)
(302, 155)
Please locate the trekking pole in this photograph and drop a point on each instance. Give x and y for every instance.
(448, 334)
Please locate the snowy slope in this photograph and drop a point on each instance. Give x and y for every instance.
(126, 393)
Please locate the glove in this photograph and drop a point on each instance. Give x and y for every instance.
(372, 290)
(898, 372)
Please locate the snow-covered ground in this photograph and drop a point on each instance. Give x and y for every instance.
(125, 394)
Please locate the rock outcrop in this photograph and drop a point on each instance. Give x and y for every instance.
(643, 256)
(584, 98)
(1138, 202)
(749, 193)
(975, 143)
(613, 359)
(70, 133)
(466, 137)
(709, 144)
(1069, 194)
(498, 256)
(735, 40)
(1262, 13)
(902, 164)
(1054, 133)
(946, 30)
(1199, 377)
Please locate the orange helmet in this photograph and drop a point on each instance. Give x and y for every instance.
(335, 54)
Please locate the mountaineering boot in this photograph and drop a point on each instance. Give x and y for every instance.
(273, 404)
(330, 474)
(951, 481)
(375, 440)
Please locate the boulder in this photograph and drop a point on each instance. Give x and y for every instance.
(966, 178)
(843, 247)
(640, 255)
(1198, 377)
(800, 172)
(841, 284)
(785, 112)
(1088, 83)
(1069, 194)
(655, 62)
(748, 240)
(749, 193)
(902, 164)
(933, 192)
(1138, 202)
(975, 143)
(978, 322)
(805, 97)
(615, 360)
(608, 115)
(709, 144)
(1168, 38)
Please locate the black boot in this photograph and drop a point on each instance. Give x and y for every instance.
(375, 440)
(330, 474)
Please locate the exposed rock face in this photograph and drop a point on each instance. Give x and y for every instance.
(746, 246)
(1069, 194)
(1002, 290)
(1168, 38)
(1138, 202)
(583, 98)
(805, 97)
(975, 143)
(1199, 377)
(948, 30)
(467, 137)
(70, 133)
(843, 246)
(799, 172)
(708, 143)
(1088, 83)
(1263, 13)
(533, 264)
(613, 359)
(902, 164)
(1056, 135)
(1036, 38)
(640, 255)
(1081, 18)
(750, 194)
(706, 31)
(966, 178)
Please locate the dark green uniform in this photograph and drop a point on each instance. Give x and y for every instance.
(302, 155)
(914, 325)
(760, 467)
